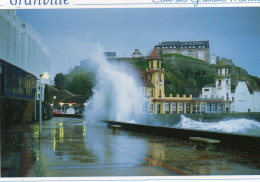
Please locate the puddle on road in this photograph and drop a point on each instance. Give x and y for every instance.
(68, 142)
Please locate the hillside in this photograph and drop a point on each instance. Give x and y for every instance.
(184, 75)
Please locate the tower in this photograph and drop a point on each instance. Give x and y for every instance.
(155, 75)
(223, 80)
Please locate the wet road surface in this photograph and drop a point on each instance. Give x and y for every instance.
(70, 147)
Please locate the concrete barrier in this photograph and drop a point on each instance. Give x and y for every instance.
(69, 115)
(237, 142)
(168, 120)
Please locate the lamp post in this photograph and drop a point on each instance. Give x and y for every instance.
(35, 108)
(61, 104)
(44, 76)
(52, 107)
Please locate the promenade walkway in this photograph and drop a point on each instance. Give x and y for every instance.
(70, 147)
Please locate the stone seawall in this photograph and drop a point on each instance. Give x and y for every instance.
(171, 119)
(227, 140)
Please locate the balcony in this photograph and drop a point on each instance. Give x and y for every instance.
(155, 69)
(223, 75)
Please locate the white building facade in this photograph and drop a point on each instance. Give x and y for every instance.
(21, 45)
(241, 100)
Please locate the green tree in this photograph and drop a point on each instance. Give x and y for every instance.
(59, 81)
(81, 84)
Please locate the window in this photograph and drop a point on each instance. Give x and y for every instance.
(206, 89)
(158, 108)
(167, 107)
(219, 82)
(151, 92)
(181, 107)
(159, 93)
(149, 78)
(208, 107)
(220, 107)
(187, 107)
(214, 107)
(227, 82)
(151, 107)
(203, 107)
(159, 77)
(233, 99)
(174, 109)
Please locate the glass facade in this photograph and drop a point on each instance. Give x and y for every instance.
(167, 107)
(174, 108)
(15, 82)
(187, 107)
(181, 107)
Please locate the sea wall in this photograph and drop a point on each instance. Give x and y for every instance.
(167, 120)
(232, 141)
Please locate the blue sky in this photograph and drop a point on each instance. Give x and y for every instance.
(233, 32)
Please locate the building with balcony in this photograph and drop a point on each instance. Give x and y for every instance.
(157, 102)
(195, 49)
(219, 98)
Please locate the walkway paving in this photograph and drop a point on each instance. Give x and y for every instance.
(69, 147)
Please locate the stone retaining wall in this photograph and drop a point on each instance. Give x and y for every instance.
(171, 119)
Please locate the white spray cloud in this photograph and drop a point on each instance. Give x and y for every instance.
(118, 93)
(239, 126)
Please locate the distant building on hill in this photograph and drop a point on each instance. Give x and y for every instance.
(137, 54)
(195, 49)
(110, 54)
(213, 59)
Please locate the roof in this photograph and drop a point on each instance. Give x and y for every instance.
(178, 44)
(143, 77)
(210, 85)
(110, 54)
(154, 54)
(223, 63)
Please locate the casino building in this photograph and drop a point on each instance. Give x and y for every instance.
(215, 98)
(195, 49)
(157, 102)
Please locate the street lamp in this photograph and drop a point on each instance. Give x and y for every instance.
(52, 107)
(61, 104)
(44, 76)
(35, 108)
